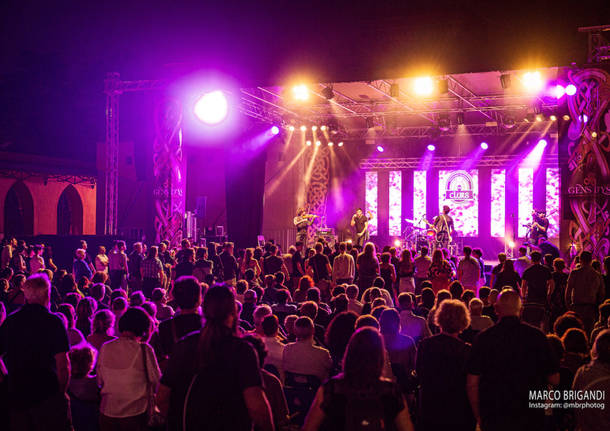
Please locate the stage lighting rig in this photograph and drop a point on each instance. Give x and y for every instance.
(443, 122)
(328, 92)
(505, 80)
(460, 118)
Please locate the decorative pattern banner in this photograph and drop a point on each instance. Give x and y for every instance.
(371, 181)
(419, 195)
(526, 199)
(169, 167)
(460, 191)
(317, 191)
(552, 201)
(498, 203)
(395, 203)
(586, 178)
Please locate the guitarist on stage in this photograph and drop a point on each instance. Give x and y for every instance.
(302, 221)
(443, 224)
(360, 223)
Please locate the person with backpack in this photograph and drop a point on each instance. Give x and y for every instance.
(359, 398)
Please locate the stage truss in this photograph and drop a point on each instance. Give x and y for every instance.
(499, 161)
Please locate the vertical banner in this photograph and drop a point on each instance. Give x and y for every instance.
(395, 224)
(169, 169)
(371, 183)
(526, 199)
(498, 203)
(419, 195)
(460, 191)
(552, 201)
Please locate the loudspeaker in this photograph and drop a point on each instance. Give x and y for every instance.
(200, 209)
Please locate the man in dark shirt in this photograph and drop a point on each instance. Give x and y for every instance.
(297, 265)
(34, 343)
(187, 293)
(537, 282)
(321, 271)
(360, 223)
(272, 263)
(135, 261)
(509, 360)
(547, 247)
(229, 264)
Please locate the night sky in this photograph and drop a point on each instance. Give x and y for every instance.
(54, 54)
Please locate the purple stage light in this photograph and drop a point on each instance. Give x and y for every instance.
(484, 145)
(431, 147)
(275, 130)
(380, 148)
(571, 90)
(583, 118)
(542, 143)
(212, 108)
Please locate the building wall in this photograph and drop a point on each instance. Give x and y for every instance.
(45, 199)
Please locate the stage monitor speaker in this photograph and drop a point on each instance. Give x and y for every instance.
(202, 203)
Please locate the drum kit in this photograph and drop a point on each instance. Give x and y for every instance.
(421, 233)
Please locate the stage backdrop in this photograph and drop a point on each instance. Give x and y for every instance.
(585, 155)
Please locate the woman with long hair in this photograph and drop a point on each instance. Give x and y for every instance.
(305, 283)
(249, 262)
(367, 266)
(360, 394)
(440, 271)
(406, 269)
(213, 379)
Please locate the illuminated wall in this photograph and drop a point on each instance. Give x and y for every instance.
(553, 187)
(498, 203)
(395, 203)
(371, 182)
(465, 212)
(526, 199)
(419, 194)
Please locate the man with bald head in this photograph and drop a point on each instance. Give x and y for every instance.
(509, 360)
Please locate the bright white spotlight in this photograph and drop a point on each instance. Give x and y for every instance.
(380, 148)
(423, 86)
(539, 117)
(542, 142)
(212, 108)
(308, 143)
(314, 128)
(303, 128)
(275, 130)
(291, 128)
(322, 128)
(559, 91)
(532, 81)
(397, 243)
(594, 134)
(583, 118)
(566, 117)
(318, 143)
(553, 117)
(511, 244)
(300, 92)
(484, 145)
(431, 147)
(340, 144)
(571, 90)
(330, 144)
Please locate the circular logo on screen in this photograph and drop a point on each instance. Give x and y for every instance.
(459, 187)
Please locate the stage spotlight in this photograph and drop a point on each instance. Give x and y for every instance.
(505, 81)
(212, 108)
(443, 123)
(553, 117)
(559, 91)
(275, 130)
(423, 86)
(314, 128)
(323, 128)
(542, 142)
(594, 134)
(539, 117)
(300, 92)
(308, 143)
(566, 117)
(583, 118)
(303, 128)
(340, 144)
(328, 93)
(318, 143)
(532, 81)
(460, 118)
(484, 145)
(571, 90)
(330, 144)
(397, 243)
(291, 128)
(380, 148)
(511, 244)
(431, 147)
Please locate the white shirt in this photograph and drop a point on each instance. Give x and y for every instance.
(120, 374)
(470, 271)
(36, 264)
(343, 267)
(413, 326)
(302, 357)
(275, 352)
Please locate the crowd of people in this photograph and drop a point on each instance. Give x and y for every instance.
(329, 338)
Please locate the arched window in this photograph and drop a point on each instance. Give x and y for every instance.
(19, 211)
(70, 212)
